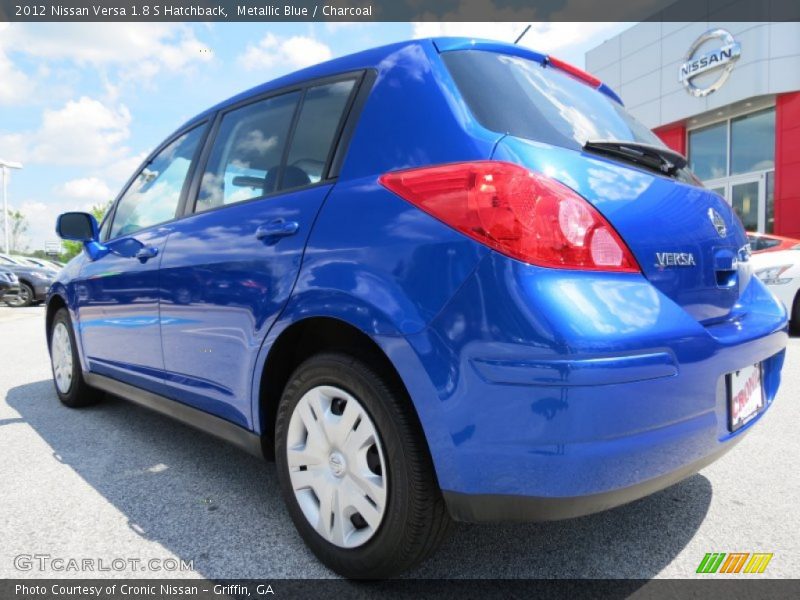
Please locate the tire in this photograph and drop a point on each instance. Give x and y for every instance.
(402, 486)
(25, 297)
(68, 380)
(794, 317)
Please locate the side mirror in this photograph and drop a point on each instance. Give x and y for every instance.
(81, 227)
(77, 227)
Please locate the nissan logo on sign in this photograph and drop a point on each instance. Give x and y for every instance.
(719, 59)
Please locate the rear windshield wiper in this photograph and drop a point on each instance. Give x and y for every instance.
(654, 157)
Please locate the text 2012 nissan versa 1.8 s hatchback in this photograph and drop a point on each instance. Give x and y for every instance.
(438, 279)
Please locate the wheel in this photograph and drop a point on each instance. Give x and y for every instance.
(24, 298)
(794, 317)
(71, 388)
(355, 471)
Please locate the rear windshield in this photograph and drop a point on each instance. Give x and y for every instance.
(521, 97)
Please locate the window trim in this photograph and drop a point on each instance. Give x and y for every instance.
(112, 212)
(357, 76)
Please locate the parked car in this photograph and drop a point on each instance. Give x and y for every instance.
(33, 282)
(9, 284)
(36, 262)
(766, 242)
(442, 279)
(780, 272)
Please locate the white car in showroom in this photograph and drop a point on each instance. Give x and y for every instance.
(780, 271)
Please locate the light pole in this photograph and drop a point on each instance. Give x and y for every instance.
(6, 165)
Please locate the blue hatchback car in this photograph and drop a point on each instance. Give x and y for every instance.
(441, 279)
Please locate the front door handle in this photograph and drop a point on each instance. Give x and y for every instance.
(146, 253)
(278, 228)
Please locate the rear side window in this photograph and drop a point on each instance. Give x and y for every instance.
(316, 132)
(520, 97)
(154, 195)
(246, 156)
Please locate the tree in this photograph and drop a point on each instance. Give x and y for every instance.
(72, 249)
(18, 227)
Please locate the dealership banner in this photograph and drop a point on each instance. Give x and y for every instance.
(398, 10)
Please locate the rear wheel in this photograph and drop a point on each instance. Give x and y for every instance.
(354, 469)
(71, 388)
(25, 296)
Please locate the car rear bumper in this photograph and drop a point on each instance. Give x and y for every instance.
(556, 395)
(494, 508)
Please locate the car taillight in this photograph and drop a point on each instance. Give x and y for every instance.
(522, 214)
(574, 71)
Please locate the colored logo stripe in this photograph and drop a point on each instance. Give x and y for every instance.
(734, 562)
(758, 563)
(711, 562)
(714, 562)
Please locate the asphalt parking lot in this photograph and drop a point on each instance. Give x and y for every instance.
(117, 481)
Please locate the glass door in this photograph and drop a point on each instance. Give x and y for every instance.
(750, 196)
(746, 197)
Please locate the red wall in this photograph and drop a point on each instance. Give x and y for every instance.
(787, 165)
(673, 136)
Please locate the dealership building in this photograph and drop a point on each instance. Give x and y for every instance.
(727, 95)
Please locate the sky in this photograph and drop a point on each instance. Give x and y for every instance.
(81, 105)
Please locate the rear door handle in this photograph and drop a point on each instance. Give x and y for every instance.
(278, 228)
(146, 253)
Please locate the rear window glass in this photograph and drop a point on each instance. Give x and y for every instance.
(514, 95)
(314, 136)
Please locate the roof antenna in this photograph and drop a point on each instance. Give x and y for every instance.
(521, 35)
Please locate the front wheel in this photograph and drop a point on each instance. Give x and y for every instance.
(355, 471)
(25, 296)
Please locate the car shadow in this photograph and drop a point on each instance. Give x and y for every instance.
(211, 503)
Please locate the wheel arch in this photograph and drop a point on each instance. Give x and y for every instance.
(301, 340)
(54, 303)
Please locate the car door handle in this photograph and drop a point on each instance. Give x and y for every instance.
(277, 229)
(146, 253)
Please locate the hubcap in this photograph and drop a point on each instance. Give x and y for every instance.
(336, 466)
(61, 355)
(20, 299)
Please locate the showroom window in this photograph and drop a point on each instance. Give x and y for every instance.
(708, 148)
(736, 159)
(753, 142)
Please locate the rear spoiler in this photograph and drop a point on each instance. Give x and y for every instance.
(453, 44)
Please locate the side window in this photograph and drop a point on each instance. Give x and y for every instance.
(314, 135)
(769, 243)
(246, 157)
(154, 195)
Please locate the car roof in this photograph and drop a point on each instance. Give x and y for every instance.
(372, 58)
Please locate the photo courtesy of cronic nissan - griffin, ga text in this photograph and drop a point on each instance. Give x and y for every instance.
(439, 280)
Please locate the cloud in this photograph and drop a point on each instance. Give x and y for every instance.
(287, 53)
(41, 219)
(84, 132)
(134, 52)
(91, 189)
(15, 86)
(119, 171)
(166, 45)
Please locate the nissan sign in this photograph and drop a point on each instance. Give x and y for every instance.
(719, 59)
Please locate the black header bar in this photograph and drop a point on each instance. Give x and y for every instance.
(398, 10)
